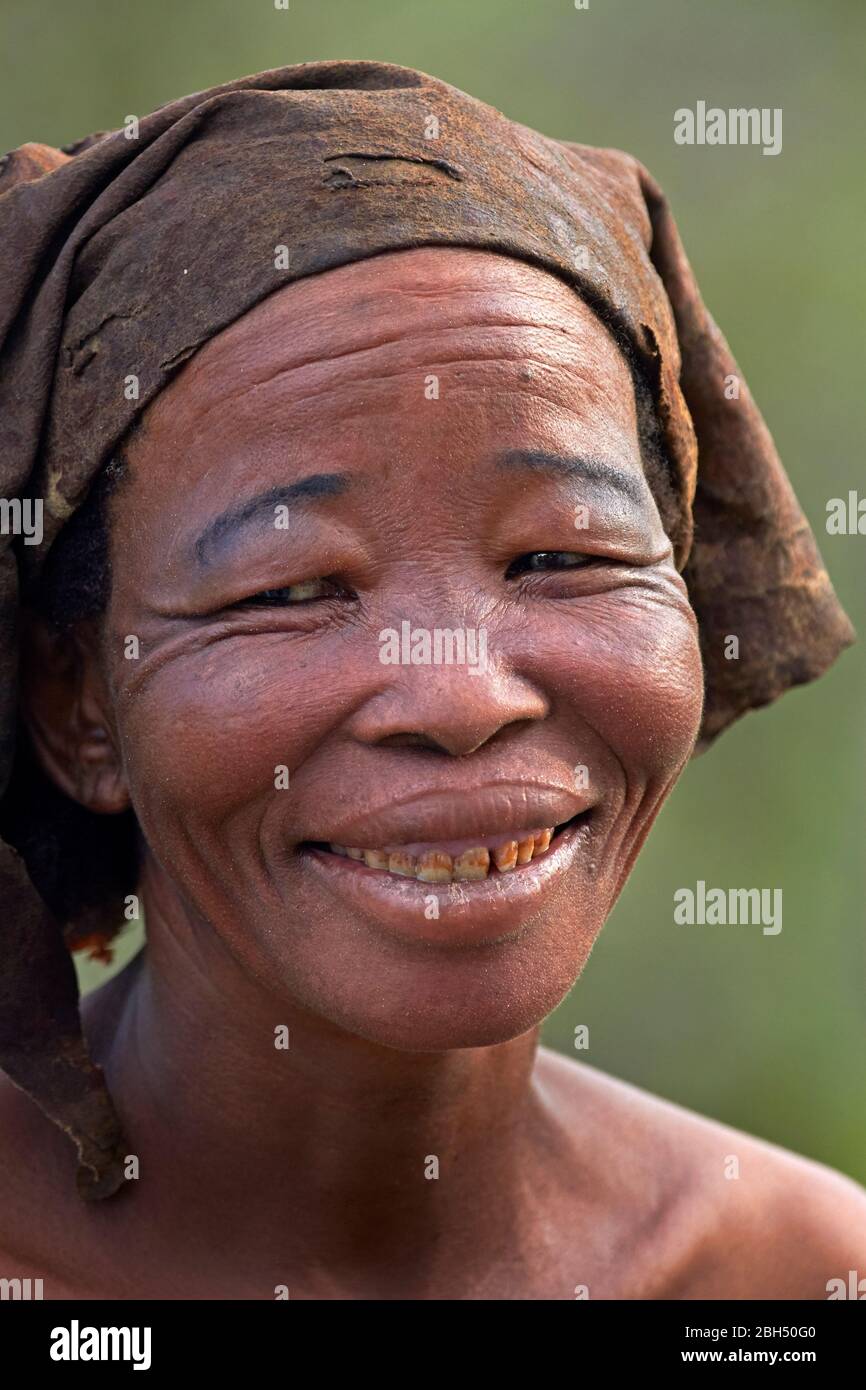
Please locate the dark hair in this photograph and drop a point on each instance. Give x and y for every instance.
(82, 864)
(654, 456)
(76, 581)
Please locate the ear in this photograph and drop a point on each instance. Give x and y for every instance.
(67, 708)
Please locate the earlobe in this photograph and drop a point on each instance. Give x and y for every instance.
(100, 784)
(66, 706)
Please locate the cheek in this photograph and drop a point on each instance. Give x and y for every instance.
(628, 663)
(207, 735)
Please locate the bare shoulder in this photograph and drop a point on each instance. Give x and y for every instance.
(736, 1216)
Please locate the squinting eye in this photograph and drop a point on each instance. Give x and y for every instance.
(305, 592)
(547, 560)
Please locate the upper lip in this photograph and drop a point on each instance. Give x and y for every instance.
(455, 814)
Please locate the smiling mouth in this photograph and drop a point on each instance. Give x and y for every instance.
(451, 863)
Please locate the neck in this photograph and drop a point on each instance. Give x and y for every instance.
(334, 1146)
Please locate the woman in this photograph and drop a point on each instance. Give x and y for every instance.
(399, 499)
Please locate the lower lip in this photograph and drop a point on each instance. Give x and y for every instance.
(472, 912)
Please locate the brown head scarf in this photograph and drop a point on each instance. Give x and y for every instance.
(123, 254)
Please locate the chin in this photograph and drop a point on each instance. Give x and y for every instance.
(424, 999)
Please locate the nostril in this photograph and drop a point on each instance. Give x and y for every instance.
(424, 743)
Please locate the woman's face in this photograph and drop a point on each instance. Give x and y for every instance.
(438, 439)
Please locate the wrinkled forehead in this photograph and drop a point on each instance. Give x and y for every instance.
(429, 309)
(331, 375)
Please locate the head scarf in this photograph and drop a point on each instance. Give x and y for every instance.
(122, 254)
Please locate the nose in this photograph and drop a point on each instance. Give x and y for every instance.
(451, 708)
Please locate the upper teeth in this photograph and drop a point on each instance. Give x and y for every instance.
(434, 866)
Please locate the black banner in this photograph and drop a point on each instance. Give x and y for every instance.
(71, 1338)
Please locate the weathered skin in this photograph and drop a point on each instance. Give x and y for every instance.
(305, 1167)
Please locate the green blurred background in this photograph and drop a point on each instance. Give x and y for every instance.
(765, 1032)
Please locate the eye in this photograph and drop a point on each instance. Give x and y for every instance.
(307, 591)
(541, 560)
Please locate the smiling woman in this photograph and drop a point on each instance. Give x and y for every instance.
(404, 863)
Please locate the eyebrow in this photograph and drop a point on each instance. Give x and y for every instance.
(225, 527)
(632, 485)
